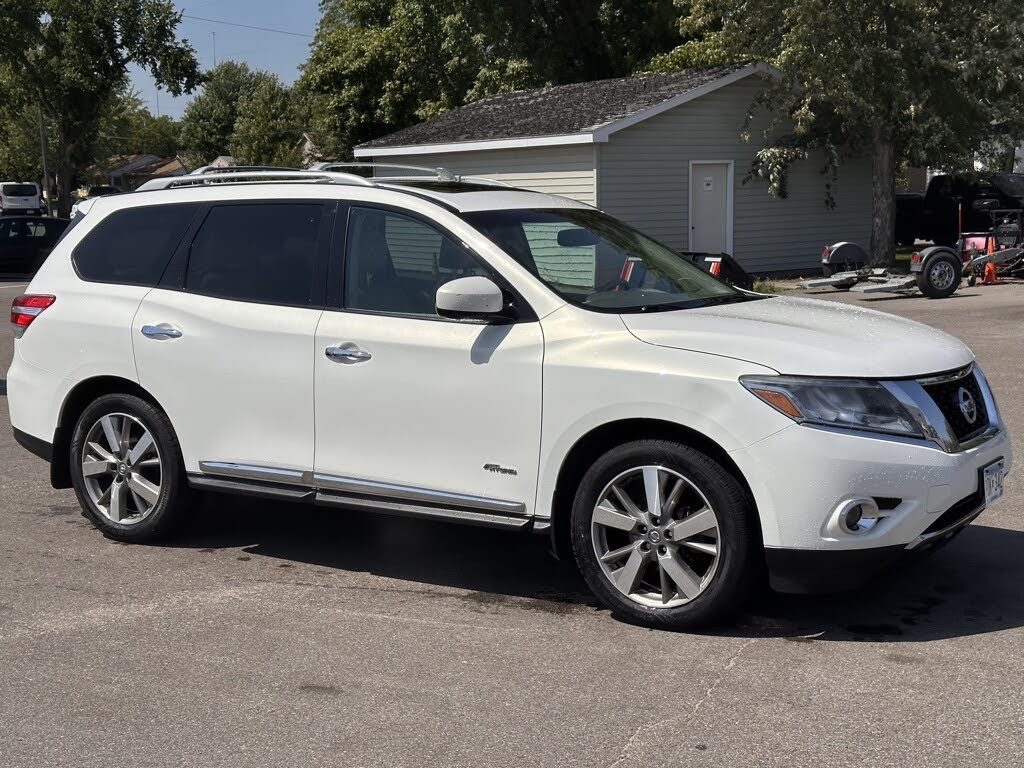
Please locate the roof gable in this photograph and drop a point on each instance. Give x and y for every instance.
(564, 114)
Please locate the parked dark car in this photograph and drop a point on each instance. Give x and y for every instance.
(100, 190)
(25, 241)
(953, 204)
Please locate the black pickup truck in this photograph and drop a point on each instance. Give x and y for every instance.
(936, 214)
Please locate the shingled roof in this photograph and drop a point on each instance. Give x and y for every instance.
(561, 110)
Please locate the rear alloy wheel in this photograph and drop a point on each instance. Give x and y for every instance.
(126, 468)
(122, 469)
(665, 535)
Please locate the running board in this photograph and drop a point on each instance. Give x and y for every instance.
(466, 515)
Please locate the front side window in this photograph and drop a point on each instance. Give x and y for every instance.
(132, 246)
(600, 263)
(264, 253)
(395, 263)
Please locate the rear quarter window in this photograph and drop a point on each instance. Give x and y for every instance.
(132, 246)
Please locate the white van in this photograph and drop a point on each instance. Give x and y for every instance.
(20, 197)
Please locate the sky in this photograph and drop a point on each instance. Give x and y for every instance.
(273, 51)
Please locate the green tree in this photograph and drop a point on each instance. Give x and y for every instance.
(380, 65)
(208, 121)
(128, 127)
(922, 81)
(269, 126)
(72, 58)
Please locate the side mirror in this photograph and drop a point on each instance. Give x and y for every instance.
(469, 297)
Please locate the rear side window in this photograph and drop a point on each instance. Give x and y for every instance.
(132, 246)
(261, 253)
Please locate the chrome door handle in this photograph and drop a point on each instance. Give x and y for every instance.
(347, 353)
(160, 332)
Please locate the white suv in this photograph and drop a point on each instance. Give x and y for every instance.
(469, 352)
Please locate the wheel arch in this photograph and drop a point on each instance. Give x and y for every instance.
(586, 450)
(76, 401)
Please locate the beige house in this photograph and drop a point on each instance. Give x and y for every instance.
(661, 151)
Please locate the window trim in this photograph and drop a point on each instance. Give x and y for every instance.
(339, 264)
(148, 284)
(176, 274)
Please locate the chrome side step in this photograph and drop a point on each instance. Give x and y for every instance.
(351, 493)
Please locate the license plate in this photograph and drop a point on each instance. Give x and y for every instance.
(992, 476)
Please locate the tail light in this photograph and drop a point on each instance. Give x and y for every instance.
(27, 308)
(915, 258)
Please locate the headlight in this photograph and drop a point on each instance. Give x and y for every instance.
(846, 403)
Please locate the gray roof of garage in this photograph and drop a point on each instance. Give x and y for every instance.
(555, 110)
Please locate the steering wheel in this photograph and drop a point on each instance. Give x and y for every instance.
(614, 285)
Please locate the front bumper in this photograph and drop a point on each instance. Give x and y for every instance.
(800, 476)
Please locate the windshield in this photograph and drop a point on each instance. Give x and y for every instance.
(19, 190)
(1011, 184)
(597, 262)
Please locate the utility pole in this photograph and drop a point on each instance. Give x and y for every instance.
(46, 170)
(214, 36)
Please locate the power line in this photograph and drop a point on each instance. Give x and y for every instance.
(247, 26)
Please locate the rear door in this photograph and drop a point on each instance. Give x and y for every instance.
(224, 342)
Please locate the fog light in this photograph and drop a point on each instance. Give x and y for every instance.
(857, 516)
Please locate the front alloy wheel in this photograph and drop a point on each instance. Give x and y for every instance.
(656, 536)
(665, 535)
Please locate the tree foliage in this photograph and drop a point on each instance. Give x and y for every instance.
(380, 65)
(269, 126)
(921, 81)
(208, 121)
(72, 58)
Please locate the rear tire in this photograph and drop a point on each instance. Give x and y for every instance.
(940, 276)
(127, 470)
(692, 564)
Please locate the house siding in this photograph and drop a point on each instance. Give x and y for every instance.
(643, 179)
(567, 171)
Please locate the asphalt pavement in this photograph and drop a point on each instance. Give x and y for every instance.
(277, 635)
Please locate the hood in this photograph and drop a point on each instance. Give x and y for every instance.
(806, 337)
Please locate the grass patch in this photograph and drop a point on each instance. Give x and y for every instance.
(764, 285)
(903, 253)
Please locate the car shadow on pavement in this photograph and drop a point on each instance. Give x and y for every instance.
(3, 387)
(972, 586)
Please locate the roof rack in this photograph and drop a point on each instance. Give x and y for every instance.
(239, 168)
(233, 176)
(439, 173)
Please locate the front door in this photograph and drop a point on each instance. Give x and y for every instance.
(227, 351)
(414, 407)
(710, 207)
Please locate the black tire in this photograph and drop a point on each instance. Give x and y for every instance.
(926, 278)
(174, 496)
(739, 572)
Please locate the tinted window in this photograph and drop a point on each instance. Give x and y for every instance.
(20, 190)
(395, 263)
(261, 253)
(132, 246)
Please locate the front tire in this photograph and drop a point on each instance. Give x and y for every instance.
(127, 470)
(665, 536)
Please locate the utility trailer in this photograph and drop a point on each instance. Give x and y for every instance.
(844, 267)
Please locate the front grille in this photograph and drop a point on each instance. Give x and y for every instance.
(947, 397)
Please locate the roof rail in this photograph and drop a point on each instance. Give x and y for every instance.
(255, 177)
(439, 173)
(239, 168)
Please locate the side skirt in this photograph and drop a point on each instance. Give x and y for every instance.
(378, 503)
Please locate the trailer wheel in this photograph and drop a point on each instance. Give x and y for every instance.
(940, 276)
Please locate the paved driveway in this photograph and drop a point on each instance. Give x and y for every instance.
(269, 634)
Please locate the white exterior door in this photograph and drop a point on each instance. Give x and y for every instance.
(711, 207)
(425, 409)
(228, 353)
